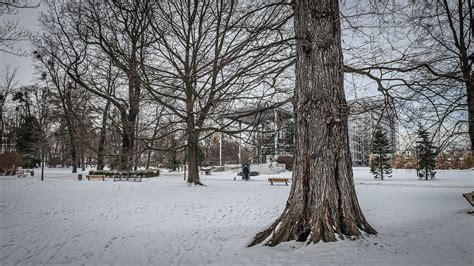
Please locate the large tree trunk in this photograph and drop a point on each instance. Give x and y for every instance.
(193, 150)
(381, 166)
(148, 157)
(2, 127)
(127, 145)
(68, 109)
(102, 138)
(72, 142)
(322, 201)
(129, 120)
(469, 77)
(73, 151)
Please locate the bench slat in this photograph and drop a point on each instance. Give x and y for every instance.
(89, 177)
(278, 180)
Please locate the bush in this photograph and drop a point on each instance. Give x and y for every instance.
(10, 161)
(142, 173)
(287, 161)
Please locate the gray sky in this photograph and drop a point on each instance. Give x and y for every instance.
(27, 18)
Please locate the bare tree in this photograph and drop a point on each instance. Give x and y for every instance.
(7, 87)
(212, 57)
(10, 31)
(417, 55)
(89, 34)
(322, 202)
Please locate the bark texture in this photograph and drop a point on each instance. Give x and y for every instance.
(193, 150)
(322, 203)
(102, 138)
(469, 81)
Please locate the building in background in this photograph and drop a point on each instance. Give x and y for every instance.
(271, 132)
(365, 116)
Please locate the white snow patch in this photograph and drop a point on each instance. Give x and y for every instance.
(162, 221)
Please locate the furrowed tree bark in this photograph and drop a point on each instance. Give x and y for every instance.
(102, 137)
(127, 146)
(2, 128)
(469, 81)
(68, 109)
(193, 150)
(470, 103)
(322, 203)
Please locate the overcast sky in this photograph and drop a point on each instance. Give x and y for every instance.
(27, 18)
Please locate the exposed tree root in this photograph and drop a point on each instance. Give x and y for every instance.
(287, 228)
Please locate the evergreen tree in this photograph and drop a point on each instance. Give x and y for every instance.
(28, 141)
(425, 155)
(381, 150)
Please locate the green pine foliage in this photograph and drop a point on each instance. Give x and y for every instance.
(425, 155)
(28, 141)
(381, 151)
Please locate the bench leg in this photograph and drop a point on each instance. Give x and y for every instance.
(271, 182)
(286, 183)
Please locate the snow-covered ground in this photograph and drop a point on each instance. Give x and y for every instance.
(163, 221)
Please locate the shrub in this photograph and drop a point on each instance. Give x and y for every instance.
(10, 161)
(287, 161)
(142, 173)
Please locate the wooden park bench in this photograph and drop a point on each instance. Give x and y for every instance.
(470, 198)
(21, 173)
(278, 180)
(206, 171)
(89, 177)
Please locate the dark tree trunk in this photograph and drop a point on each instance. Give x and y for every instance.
(74, 158)
(102, 137)
(322, 201)
(381, 167)
(469, 76)
(127, 131)
(193, 150)
(72, 142)
(129, 120)
(466, 62)
(68, 115)
(148, 157)
(2, 128)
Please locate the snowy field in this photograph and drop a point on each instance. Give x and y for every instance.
(163, 221)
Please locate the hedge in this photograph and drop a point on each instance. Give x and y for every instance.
(143, 173)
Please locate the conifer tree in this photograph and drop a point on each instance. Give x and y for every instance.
(381, 150)
(28, 141)
(425, 155)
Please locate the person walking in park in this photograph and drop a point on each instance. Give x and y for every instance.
(246, 172)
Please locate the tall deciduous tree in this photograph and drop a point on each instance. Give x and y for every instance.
(213, 55)
(8, 82)
(11, 33)
(322, 203)
(417, 53)
(89, 34)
